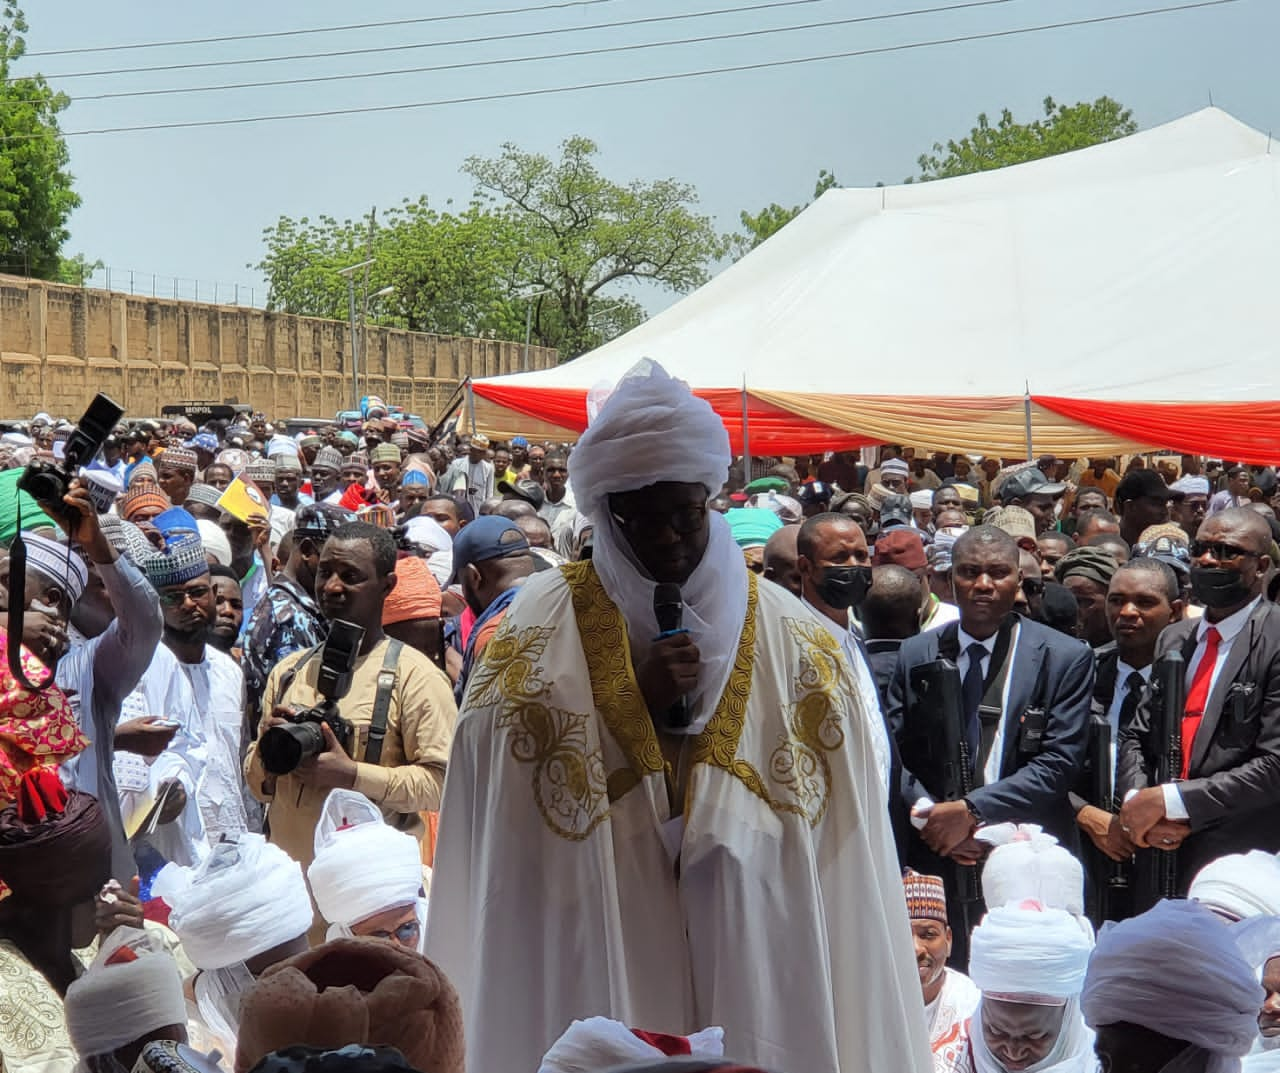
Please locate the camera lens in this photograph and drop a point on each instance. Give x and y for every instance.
(283, 748)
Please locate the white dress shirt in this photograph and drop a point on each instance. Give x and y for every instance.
(1228, 629)
(991, 771)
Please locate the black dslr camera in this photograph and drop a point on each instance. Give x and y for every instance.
(283, 748)
(47, 482)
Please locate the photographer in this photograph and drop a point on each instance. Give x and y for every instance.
(354, 576)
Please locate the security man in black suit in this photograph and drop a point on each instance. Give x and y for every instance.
(1143, 599)
(1225, 801)
(1025, 693)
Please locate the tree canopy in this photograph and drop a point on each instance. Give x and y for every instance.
(36, 194)
(553, 239)
(1062, 129)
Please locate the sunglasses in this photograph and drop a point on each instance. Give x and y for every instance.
(176, 599)
(406, 934)
(683, 521)
(1219, 551)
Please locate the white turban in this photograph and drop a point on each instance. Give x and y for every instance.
(600, 1043)
(651, 429)
(132, 989)
(1029, 865)
(57, 562)
(362, 866)
(1243, 885)
(244, 899)
(1176, 970)
(215, 541)
(1029, 951)
(429, 533)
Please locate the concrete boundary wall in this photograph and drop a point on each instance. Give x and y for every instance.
(59, 345)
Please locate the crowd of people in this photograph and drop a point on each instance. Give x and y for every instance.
(368, 750)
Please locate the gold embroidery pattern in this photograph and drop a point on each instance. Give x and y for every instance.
(30, 1014)
(613, 680)
(799, 763)
(569, 783)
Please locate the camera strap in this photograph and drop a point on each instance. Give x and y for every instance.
(382, 703)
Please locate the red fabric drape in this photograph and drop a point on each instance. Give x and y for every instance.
(1241, 431)
(772, 430)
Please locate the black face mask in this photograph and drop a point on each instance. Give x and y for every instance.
(843, 587)
(1216, 586)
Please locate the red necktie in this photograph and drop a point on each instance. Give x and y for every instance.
(1198, 695)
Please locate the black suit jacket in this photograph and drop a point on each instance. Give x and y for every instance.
(1049, 667)
(1234, 776)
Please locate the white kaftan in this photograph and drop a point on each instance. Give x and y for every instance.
(565, 888)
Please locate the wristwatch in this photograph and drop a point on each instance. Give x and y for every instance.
(973, 811)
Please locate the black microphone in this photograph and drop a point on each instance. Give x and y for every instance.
(668, 609)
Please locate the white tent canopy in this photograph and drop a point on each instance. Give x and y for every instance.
(1140, 270)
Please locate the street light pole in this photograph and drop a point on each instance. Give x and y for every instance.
(351, 314)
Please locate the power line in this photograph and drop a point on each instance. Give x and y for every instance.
(575, 54)
(377, 49)
(318, 29)
(641, 80)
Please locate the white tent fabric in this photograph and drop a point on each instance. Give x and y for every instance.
(1134, 270)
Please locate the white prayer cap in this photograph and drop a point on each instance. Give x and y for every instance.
(601, 1043)
(215, 541)
(652, 428)
(1029, 865)
(132, 989)
(1241, 885)
(281, 445)
(58, 562)
(1176, 970)
(1029, 951)
(429, 533)
(244, 899)
(1190, 486)
(922, 500)
(362, 866)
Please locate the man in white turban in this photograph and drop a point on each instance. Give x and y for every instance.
(1029, 865)
(240, 911)
(658, 824)
(130, 996)
(1173, 991)
(1029, 963)
(367, 877)
(1239, 886)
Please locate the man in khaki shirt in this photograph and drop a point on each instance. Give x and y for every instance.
(355, 574)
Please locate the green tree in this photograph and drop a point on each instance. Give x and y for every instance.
(1062, 129)
(583, 232)
(36, 195)
(773, 218)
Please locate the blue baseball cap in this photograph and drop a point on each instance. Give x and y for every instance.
(489, 537)
(519, 441)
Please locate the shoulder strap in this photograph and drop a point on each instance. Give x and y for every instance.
(382, 703)
(286, 679)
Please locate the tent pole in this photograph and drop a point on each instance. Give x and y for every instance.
(471, 405)
(1026, 401)
(746, 438)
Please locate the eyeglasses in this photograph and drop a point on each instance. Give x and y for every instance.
(406, 934)
(682, 521)
(176, 599)
(1219, 551)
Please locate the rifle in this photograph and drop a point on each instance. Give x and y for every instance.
(937, 685)
(1114, 879)
(1169, 699)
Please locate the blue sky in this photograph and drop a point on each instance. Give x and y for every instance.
(193, 203)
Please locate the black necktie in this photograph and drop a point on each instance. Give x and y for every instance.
(1133, 693)
(971, 690)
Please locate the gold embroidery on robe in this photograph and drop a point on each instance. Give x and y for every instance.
(31, 1019)
(569, 783)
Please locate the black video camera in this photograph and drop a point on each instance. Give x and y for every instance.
(283, 748)
(47, 482)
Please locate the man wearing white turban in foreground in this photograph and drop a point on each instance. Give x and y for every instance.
(1173, 990)
(367, 877)
(242, 910)
(671, 828)
(1029, 963)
